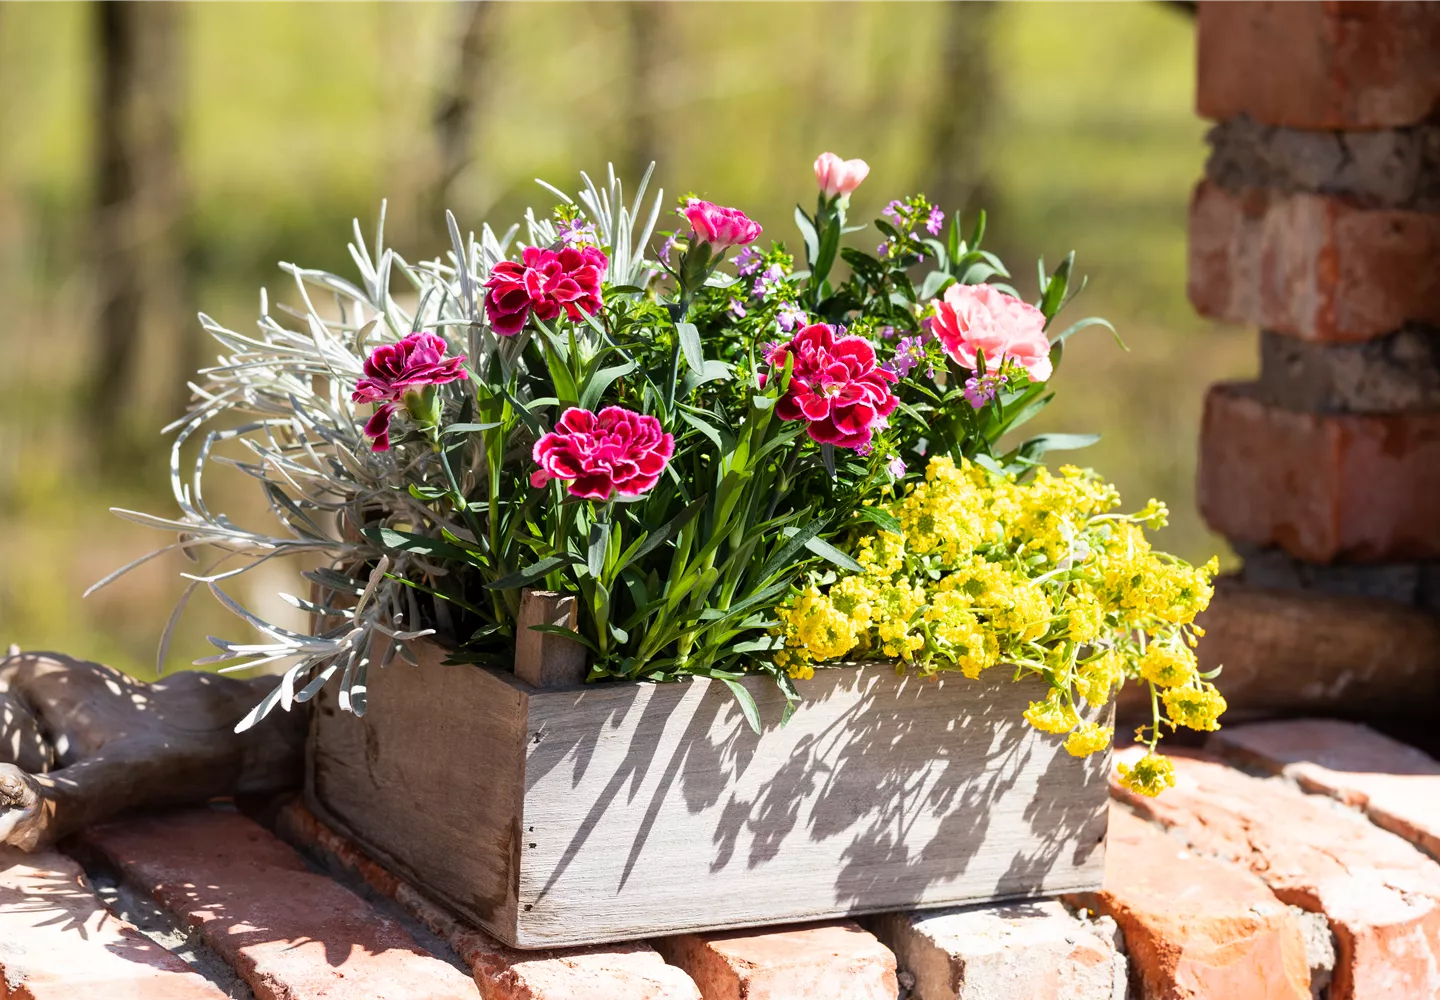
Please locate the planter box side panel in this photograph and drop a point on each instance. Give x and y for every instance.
(430, 779)
(655, 809)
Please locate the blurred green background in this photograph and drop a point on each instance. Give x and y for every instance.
(156, 159)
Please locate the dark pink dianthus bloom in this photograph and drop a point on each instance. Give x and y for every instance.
(392, 370)
(614, 451)
(835, 385)
(720, 227)
(544, 282)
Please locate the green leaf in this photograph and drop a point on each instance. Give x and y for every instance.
(602, 380)
(670, 529)
(746, 701)
(935, 283)
(793, 544)
(1054, 293)
(807, 233)
(468, 428)
(1088, 321)
(825, 260)
(712, 372)
(1042, 443)
(703, 427)
(420, 545)
(691, 346)
(599, 542)
(881, 517)
(527, 576)
(825, 550)
(566, 633)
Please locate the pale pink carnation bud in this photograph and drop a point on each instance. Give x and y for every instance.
(837, 176)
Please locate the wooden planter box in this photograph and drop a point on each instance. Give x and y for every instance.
(583, 814)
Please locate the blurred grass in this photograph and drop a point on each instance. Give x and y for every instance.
(300, 116)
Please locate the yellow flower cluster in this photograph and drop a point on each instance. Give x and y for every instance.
(1042, 576)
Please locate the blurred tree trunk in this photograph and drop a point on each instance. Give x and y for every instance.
(962, 107)
(457, 111)
(139, 225)
(649, 27)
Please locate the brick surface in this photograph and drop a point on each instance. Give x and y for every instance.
(1396, 785)
(633, 971)
(1319, 65)
(1323, 487)
(1380, 895)
(1309, 265)
(1287, 652)
(1195, 927)
(1416, 584)
(1016, 951)
(57, 942)
(290, 933)
(801, 962)
(1390, 374)
(1384, 168)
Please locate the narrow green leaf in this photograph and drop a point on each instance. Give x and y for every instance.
(746, 702)
(599, 542)
(825, 550)
(807, 233)
(420, 545)
(691, 347)
(881, 517)
(527, 576)
(601, 381)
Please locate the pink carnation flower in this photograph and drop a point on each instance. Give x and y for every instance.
(837, 176)
(614, 451)
(544, 282)
(835, 385)
(975, 318)
(392, 370)
(720, 227)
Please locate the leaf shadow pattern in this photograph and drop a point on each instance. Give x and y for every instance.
(882, 792)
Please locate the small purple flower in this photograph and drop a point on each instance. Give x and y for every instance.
(980, 389)
(936, 220)
(892, 211)
(768, 282)
(909, 352)
(671, 242)
(748, 261)
(578, 232)
(864, 449)
(883, 250)
(737, 309)
(886, 332)
(896, 466)
(790, 316)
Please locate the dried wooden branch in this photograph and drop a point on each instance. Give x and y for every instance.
(81, 742)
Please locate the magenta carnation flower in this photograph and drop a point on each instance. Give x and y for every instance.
(614, 451)
(720, 227)
(975, 318)
(392, 370)
(835, 385)
(544, 282)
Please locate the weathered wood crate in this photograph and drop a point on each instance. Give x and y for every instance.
(582, 814)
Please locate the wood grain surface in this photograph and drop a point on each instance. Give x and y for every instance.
(615, 811)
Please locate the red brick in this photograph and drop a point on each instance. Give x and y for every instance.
(1009, 951)
(1323, 487)
(57, 942)
(1380, 895)
(1319, 65)
(1195, 927)
(633, 971)
(1288, 651)
(1396, 785)
(801, 962)
(291, 933)
(1311, 265)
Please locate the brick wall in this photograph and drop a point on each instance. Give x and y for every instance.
(1318, 223)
